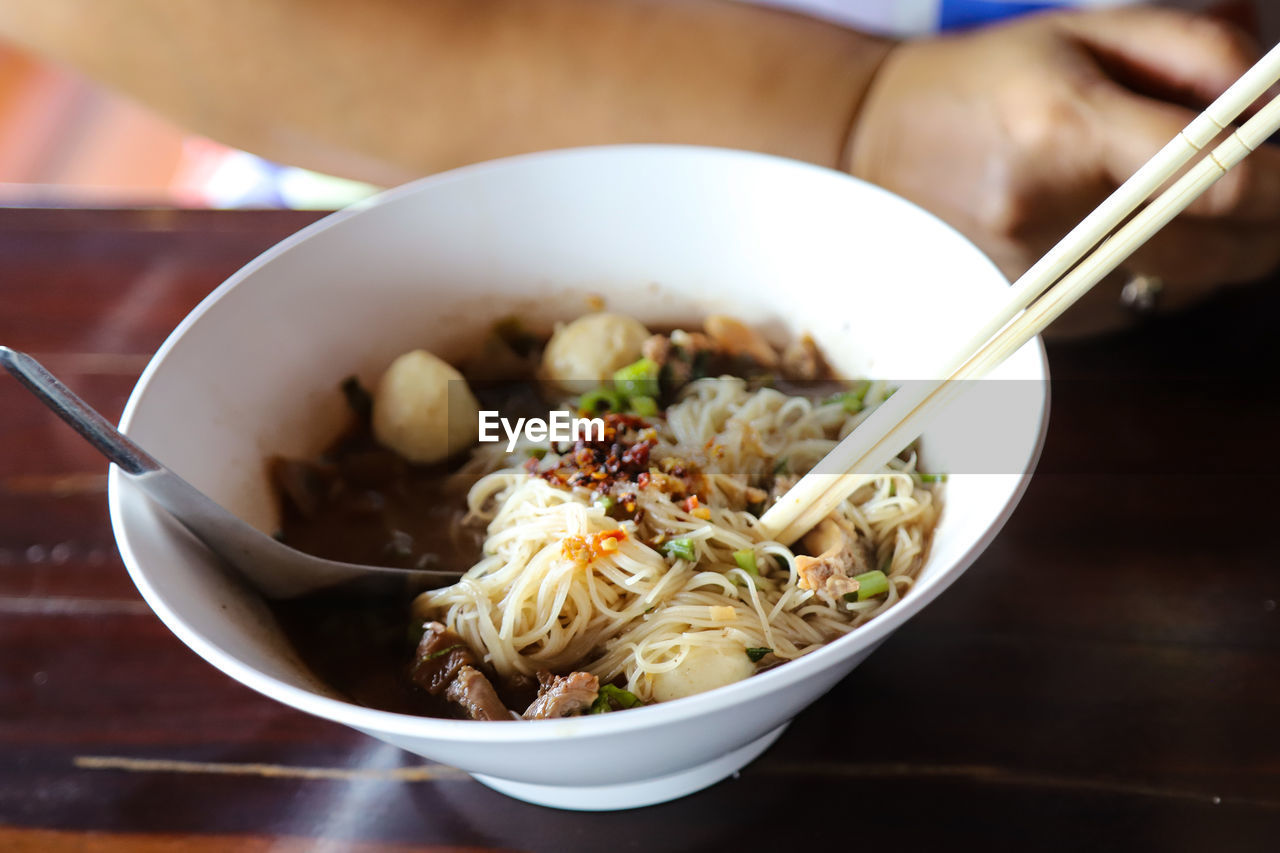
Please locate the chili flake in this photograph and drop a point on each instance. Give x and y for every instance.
(583, 549)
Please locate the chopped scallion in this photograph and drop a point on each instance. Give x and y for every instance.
(611, 698)
(605, 502)
(931, 478)
(601, 399)
(638, 379)
(757, 653)
(746, 561)
(852, 400)
(681, 549)
(358, 398)
(512, 332)
(871, 584)
(645, 407)
(439, 653)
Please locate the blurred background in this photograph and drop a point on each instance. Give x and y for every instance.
(68, 142)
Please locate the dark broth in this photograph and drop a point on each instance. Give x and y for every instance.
(362, 503)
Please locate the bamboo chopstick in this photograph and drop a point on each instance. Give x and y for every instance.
(901, 418)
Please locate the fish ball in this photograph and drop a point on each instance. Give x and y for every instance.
(423, 408)
(591, 348)
(703, 668)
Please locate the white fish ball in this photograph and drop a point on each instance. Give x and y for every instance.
(703, 668)
(423, 408)
(591, 348)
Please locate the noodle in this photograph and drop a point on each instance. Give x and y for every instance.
(563, 585)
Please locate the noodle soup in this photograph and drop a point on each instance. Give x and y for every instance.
(621, 568)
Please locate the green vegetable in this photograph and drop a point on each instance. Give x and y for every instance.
(359, 400)
(512, 332)
(439, 653)
(681, 549)
(746, 561)
(870, 584)
(645, 407)
(601, 399)
(931, 478)
(852, 400)
(638, 379)
(612, 698)
(537, 452)
(780, 467)
(604, 502)
(756, 653)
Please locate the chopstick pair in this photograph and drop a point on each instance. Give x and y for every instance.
(1032, 303)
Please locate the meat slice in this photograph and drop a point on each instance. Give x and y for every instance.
(444, 664)
(563, 695)
(473, 693)
(736, 338)
(683, 357)
(843, 554)
(657, 349)
(803, 361)
(440, 656)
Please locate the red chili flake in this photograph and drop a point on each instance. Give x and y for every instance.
(690, 503)
(621, 456)
(582, 550)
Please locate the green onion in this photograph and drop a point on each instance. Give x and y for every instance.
(645, 407)
(870, 584)
(931, 478)
(746, 561)
(756, 653)
(852, 400)
(611, 698)
(537, 452)
(601, 398)
(359, 400)
(604, 502)
(681, 549)
(512, 332)
(638, 379)
(439, 653)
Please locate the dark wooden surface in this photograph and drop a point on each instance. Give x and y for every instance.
(1106, 675)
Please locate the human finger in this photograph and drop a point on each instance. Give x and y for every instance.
(1172, 51)
(1132, 128)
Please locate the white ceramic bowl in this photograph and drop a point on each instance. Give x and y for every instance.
(667, 234)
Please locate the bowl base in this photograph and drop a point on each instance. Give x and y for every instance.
(631, 795)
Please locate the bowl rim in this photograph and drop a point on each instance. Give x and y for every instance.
(120, 491)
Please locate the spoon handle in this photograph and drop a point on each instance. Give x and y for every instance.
(96, 429)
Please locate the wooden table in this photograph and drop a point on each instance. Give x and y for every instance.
(1105, 675)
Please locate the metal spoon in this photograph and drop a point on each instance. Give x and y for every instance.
(273, 568)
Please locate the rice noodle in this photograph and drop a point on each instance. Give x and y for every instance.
(633, 612)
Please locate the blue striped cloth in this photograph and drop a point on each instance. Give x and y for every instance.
(956, 14)
(922, 17)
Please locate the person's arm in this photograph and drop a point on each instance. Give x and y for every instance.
(386, 90)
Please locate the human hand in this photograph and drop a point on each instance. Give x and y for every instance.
(1014, 133)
